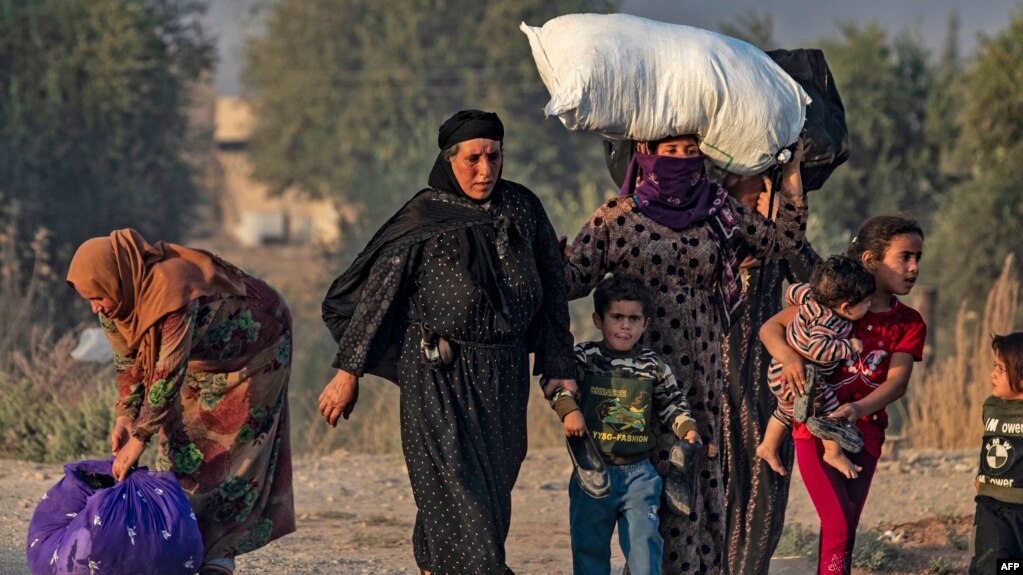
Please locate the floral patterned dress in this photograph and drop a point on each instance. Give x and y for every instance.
(218, 399)
(683, 269)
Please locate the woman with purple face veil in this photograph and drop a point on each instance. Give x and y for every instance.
(685, 237)
(447, 300)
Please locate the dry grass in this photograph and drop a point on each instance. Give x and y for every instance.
(54, 408)
(944, 406)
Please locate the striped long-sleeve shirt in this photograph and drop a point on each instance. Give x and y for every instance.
(817, 332)
(821, 336)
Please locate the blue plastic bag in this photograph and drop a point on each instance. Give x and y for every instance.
(88, 524)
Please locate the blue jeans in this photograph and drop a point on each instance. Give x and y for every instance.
(632, 504)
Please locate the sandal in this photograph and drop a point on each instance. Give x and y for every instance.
(802, 407)
(218, 567)
(839, 430)
(590, 472)
(680, 481)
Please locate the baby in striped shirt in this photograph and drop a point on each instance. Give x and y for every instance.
(838, 294)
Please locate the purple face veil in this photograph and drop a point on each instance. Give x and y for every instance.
(672, 191)
(676, 193)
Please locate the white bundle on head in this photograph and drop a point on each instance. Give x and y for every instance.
(627, 77)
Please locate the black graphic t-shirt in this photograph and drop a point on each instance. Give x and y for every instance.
(617, 413)
(1001, 452)
(618, 395)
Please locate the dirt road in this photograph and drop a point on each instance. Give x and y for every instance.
(356, 512)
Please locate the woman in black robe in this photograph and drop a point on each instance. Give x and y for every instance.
(448, 299)
(755, 495)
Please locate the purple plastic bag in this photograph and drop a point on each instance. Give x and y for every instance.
(87, 524)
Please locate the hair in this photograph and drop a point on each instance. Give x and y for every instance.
(1009, 349)
(841, 279)
(451, 151)
(876, 235)
(621, 287)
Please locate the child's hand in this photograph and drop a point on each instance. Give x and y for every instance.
(574, 424)
(692, 437)
(856, 344)
(850, 411)
(794, 375)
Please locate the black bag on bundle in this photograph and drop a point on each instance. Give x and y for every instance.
(617, 155)
(825, 135)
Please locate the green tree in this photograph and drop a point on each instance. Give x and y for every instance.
(944, 100)
(93, 129)
(979, 221)
(884, 85)
(350, 94)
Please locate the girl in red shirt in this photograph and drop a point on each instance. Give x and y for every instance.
(889, 247)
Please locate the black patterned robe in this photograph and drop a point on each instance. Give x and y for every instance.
(463, 426)
(683, 269)
(755, 496)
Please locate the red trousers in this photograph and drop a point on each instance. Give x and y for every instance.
(839, 502)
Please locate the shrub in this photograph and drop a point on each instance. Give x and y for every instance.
(41, 426)
(798, 541)
(873, 553)
(54, 408)
(943, 566)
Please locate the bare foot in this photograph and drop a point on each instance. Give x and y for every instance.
(771, 457)
(840, 462)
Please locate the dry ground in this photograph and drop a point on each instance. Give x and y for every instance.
(356, 514)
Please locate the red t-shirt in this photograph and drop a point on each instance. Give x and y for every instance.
(900, 329)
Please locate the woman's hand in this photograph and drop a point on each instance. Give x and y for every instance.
(797, 156)
(128, 457)
(792, 179)
(574, 424)
(553, 385)
(692, 437)
(339, 397)
(122, 431)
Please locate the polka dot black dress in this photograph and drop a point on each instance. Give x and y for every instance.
(463, 425)
(683, 269)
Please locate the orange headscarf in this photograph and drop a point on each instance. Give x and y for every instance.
(147, 282)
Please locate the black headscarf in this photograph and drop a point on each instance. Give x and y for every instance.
(479, 233)
(463, 126)
(479, 245)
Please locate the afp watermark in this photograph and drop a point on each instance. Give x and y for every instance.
(1014, 565)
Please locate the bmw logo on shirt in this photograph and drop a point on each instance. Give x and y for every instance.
(999, 455)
